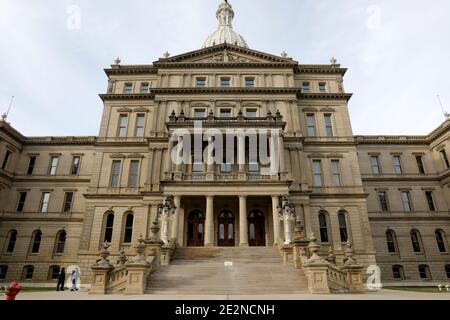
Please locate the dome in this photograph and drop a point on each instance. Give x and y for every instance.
(225, 32)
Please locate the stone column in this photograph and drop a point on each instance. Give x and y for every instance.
(169, 155)
(241, 153)
(209, 222)
(176, 219)
(276, 220)
(281, 152)
(243, 223)
(274, 156)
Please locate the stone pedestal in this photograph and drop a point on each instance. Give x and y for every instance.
(300, 249)
(355, 278)
(101, 278)
(317, 275)
(165, 255)
(137, 278)
(286, 251)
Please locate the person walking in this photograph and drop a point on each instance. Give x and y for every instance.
(74, 277)
(61, 280)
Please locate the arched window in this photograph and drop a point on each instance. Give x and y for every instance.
(128, 232)
(391, 241)
(3, 272)
(343, 226)
(27, 273)
(416, 241)
(397, 272)
(36, 244)
(11, 241)
(323, 225)
(440, 239)
(424, 272)
(53, 272)
(60, 241)
(109, 227)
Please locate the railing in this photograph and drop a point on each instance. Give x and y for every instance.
(117, 280)
(337, 280)
(223, 177)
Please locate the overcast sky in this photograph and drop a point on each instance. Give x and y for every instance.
(52, 58)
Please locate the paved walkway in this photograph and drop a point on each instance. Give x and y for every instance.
(380, 295)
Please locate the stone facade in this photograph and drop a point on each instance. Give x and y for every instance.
(235, 87)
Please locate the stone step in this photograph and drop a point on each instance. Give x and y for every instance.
(255, 270)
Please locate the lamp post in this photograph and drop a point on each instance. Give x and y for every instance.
(286, 213)
(166, 211)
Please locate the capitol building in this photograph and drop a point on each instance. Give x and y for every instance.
(292, 201)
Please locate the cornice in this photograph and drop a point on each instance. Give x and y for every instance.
(225, 65)
(131, 69)
(325, 96)
(320, 68)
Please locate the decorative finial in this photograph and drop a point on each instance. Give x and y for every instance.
(333, 60)
(166, 54)
(5, 115)
(284, 54)
(117, 61)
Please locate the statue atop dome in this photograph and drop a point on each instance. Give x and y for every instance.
(225, 32)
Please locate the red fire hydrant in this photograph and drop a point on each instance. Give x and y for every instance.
(13, 290)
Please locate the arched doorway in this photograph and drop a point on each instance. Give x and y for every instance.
(256, 229)
(196, 229)
(226, 229)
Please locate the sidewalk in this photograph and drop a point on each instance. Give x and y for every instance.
(380, 295)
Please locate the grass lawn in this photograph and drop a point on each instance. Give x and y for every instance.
(415, 289)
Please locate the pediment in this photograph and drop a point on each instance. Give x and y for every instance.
(225, 53)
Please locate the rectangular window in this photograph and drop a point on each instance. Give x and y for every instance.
(397, 165)
(311, 124)
(322, 87)
(197, 167)
(305, 87)
(128, 88)
(31, 164)
(445, 158)
(199, 113)
(251, 113)
(430, 200)
(225, 167)
(123, 125)
(75, 165)
(397, 272)
(329, 125)
(225, 82)
(336, 173)
(424, 272)
(253, 167)
(406, 199)
(133, 175)
(53, 165)
(420, 165)
(200, 82)
(68, 201)
(317, 173)
(382, 198)
(375, 163)
(3, 271)
(225, 113)
(6, 159)
(249, 82)
(21, 202)
(140, 125)
(115, 173)
(45, 199)
(145, 88)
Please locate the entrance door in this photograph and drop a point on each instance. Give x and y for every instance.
(226, 229)
(256, 229)
(196, 229)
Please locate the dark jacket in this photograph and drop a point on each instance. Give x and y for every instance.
(62, 276)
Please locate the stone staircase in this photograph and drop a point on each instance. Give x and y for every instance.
(255, 270)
